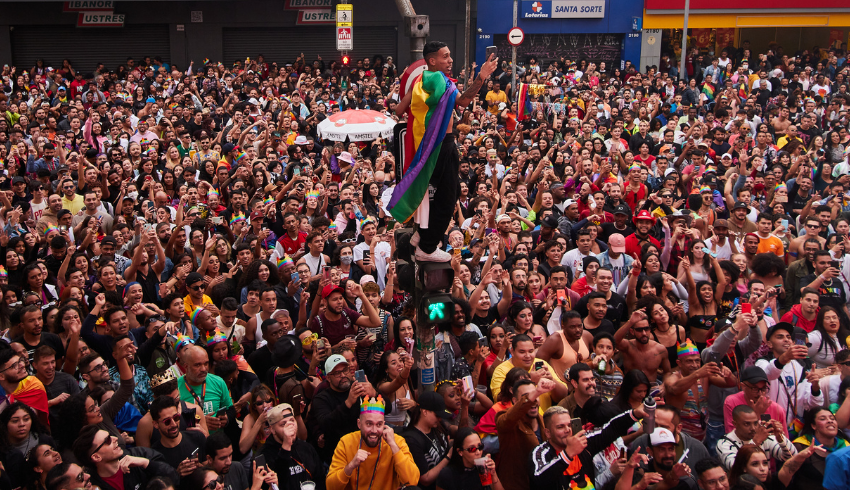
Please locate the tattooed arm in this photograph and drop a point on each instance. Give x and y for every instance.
(487, 69)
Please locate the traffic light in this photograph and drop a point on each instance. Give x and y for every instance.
(345, 60)
(437, 308)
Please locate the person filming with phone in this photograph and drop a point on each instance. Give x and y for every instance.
(750, 428)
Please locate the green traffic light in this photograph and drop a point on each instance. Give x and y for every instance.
(437, 311)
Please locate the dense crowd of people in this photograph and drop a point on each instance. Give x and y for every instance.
(651, 278)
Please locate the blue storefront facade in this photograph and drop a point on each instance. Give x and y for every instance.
(596, 30)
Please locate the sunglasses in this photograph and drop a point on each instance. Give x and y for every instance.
(105, 442)
(198, 288)
(472, 449)
(173, 420)
(213, 484)
(260, 403)
(309, 340)
(642, 329)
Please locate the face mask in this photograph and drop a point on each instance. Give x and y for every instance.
(133, 195)
(346, 259)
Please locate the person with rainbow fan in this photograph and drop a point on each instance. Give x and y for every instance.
(372, 457)
(433, 167)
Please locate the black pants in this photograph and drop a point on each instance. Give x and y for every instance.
(444, 180)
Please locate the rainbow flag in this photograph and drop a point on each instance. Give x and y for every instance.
(31, 392)
(708, 90)
(433, 98)
(523, 103)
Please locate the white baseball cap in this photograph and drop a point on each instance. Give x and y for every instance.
(658, 437)
(334, 361)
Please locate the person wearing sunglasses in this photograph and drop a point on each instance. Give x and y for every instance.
(468, 454)
(197, 297)
(68, 476)
(179, 448)
(99, 450)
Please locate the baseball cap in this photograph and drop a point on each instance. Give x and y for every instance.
(721, 223)
(433, 401)
(780, 326)
(569, 202)
(19, 180)
(111, 240)
(334, 361)
(753, 374)
(726, 155)
(740, 205)
(327, 291)
(661, 436)
(504, 217)
(278, 413)
(550, 221)
(228, 147)
(617, 243)
(193, 277)
(367, 279)
(621, 209)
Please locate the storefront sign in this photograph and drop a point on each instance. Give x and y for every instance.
(307, 4)
(315, 17)
(88, 6)
(100, 19)
(563, 9)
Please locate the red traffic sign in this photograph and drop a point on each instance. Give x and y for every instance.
(516, 36)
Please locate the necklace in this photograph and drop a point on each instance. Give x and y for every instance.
(374, 470)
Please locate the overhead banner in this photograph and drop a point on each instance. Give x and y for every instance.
(563, 9)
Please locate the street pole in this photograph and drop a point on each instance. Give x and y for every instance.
(684, 55)
(466, 33)
(513, 60)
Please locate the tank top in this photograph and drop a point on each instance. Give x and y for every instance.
(314, 263)
(395, 416)
(570, 357)
(694, 413)
(258, 335)
(672, 355)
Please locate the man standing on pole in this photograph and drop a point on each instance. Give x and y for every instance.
(434, 166)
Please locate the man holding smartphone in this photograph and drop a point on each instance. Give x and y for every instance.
(752, 429)
(180, 449)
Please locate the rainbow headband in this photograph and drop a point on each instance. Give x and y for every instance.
(213, 192)
(779, 185)
(182, 341)
(3, 272)
(705, 188)
(686, 349)
(332, 226)
(375, 405)
(239, 157)
(285, 261)
(216, 337)
(49, 229)
(364, 222)
(195, 314)
(634, 167)
(313, 195)
(236, 218)
(268, 200)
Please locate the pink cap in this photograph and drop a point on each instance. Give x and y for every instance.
(617, 243)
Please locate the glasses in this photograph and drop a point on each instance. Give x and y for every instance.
(17, 364)
(99, 367)
(309, 340)
(105, 442)
(845, 363)
(81, 476)
(641, 329)
(173, 420)
(260, 403)
(337, 374)
(93, 408)
(214, 483)
(812, 226)
(766, 389)
(472, 449)
(198, 288)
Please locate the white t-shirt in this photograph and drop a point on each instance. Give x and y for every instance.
(381, 257)
(573, 260)
(38, 209)
(724, 252)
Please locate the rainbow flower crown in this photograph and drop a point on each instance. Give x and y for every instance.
(268, 200)
(686, 349)
(195, 314)
(239, 157)
(3, 272)
(182, 341)
(236, 218)
(705, 188)
(313, 195)
(213, 192)
(215, 338)
(375, 405)
(779, 185)
(332, 226)
(634, 167)
(49, 229)
(366, 221)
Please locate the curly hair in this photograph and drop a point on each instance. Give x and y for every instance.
(766, 264)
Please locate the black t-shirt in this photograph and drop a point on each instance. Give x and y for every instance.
(831, 292)
(456, 478)
(617, 309)
(427, 450)
(491, 317)
(609, 229)
(191, 441)
(47, 338)
(261, 360)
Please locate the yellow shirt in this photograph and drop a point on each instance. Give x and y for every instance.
(390, 471)
(75, 205)
(495, 99)
(502, 371)
(190, 307)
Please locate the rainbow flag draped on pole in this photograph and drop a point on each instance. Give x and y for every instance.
(431, 107)
(524, 107)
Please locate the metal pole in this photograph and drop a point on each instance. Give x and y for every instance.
(466, 34)
(684, 56)
(513, 59)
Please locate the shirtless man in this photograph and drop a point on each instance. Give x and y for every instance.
(687, 388)
(438, 58)
(781, 123)
(641, 352)
(812, 224)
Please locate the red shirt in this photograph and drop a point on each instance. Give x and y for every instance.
(291, 246)
(633, 245)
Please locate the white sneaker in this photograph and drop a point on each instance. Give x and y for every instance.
(414, 239)
(435, 256)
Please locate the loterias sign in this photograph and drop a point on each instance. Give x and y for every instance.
(563, 9)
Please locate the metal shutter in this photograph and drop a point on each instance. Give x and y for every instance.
(86, 47)
(283, 45)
